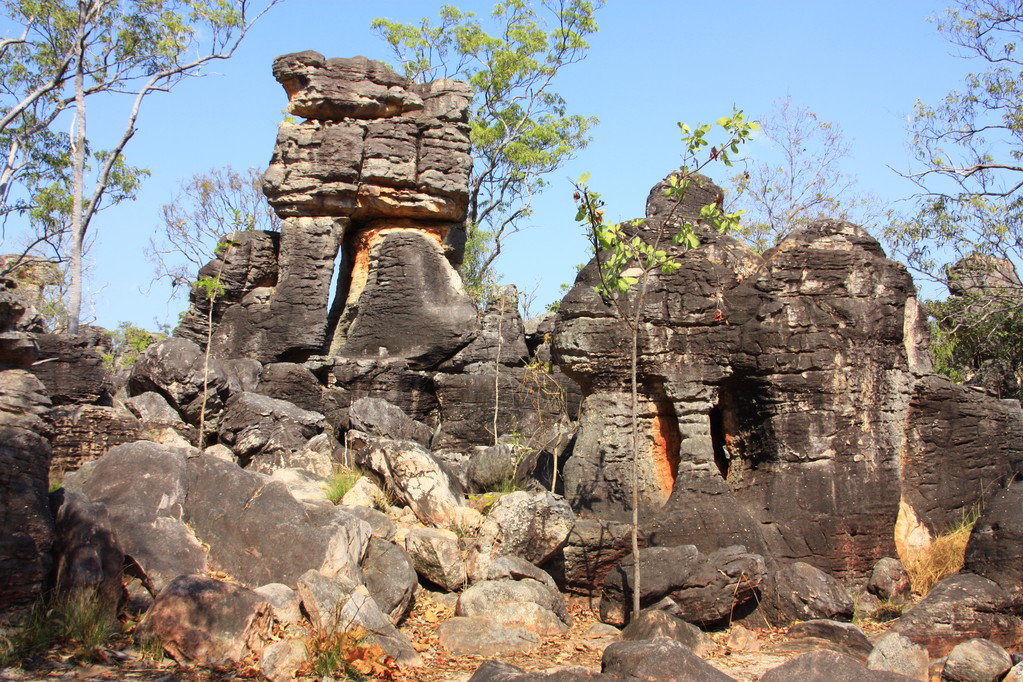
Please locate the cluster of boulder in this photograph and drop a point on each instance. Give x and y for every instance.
(792, 440)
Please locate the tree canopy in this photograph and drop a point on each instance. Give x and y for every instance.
(65, 53)
(968, 213)
(520, 127)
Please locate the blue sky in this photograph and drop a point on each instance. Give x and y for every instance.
(653, 63)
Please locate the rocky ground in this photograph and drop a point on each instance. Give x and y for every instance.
(743, 657)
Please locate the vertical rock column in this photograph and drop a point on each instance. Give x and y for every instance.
(392, 160)
(379, 168)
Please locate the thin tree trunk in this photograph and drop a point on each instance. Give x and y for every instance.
(78, 181)
(635, 443)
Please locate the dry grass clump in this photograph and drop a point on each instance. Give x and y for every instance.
(943, 558)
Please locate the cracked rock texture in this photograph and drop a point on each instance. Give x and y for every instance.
(785, 399)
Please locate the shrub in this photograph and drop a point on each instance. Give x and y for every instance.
(944, 557)
(346, 655)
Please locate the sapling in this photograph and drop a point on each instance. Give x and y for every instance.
(627, 256)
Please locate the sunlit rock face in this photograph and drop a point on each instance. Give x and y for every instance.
(773, 392)
(377, 168)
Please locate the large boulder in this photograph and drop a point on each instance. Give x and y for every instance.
(660, 659)
(961, 607)
(377, 417)
(259, 533)
(390, 578)
(529, 525)
(86, 552)
(416, 477)
(803, 592)
(703, 589)
(177, 369)
(259, 428)
(206, 622)
(292, 382)
(437, 556)
(829, 666)
(143, 487)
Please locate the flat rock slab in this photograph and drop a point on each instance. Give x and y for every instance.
(828, 666)
(661, 659)
(479, 636)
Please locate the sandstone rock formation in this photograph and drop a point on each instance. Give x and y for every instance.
(785, 400)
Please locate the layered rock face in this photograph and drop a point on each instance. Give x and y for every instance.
(26, 525)
(378, 168)
(775, 396)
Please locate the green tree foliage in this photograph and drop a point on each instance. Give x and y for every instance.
(127, 342)
(66, 53)
(206, 209)
(520, 127)
(628, 256)
(798, 180)
(969, 211)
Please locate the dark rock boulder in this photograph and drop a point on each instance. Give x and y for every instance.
(889, 580)
(143, 487)
(377, 417)
(976, 659)
(257, 427)
(176, 369)
(659, 624)
(661, 659)
(87, 555)
(206, 622)
(392, 380)
(501, 341)
(829, 666)
(801, 592)
(259, 533)
(293, 383)
(276, 289)
(591, 550)
(390, 578)
(996, 542)
(962, 607)
(701, 589)
(844, 638)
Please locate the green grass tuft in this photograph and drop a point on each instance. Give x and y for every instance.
(341, 482)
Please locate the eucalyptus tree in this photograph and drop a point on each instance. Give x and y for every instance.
(70, 57)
